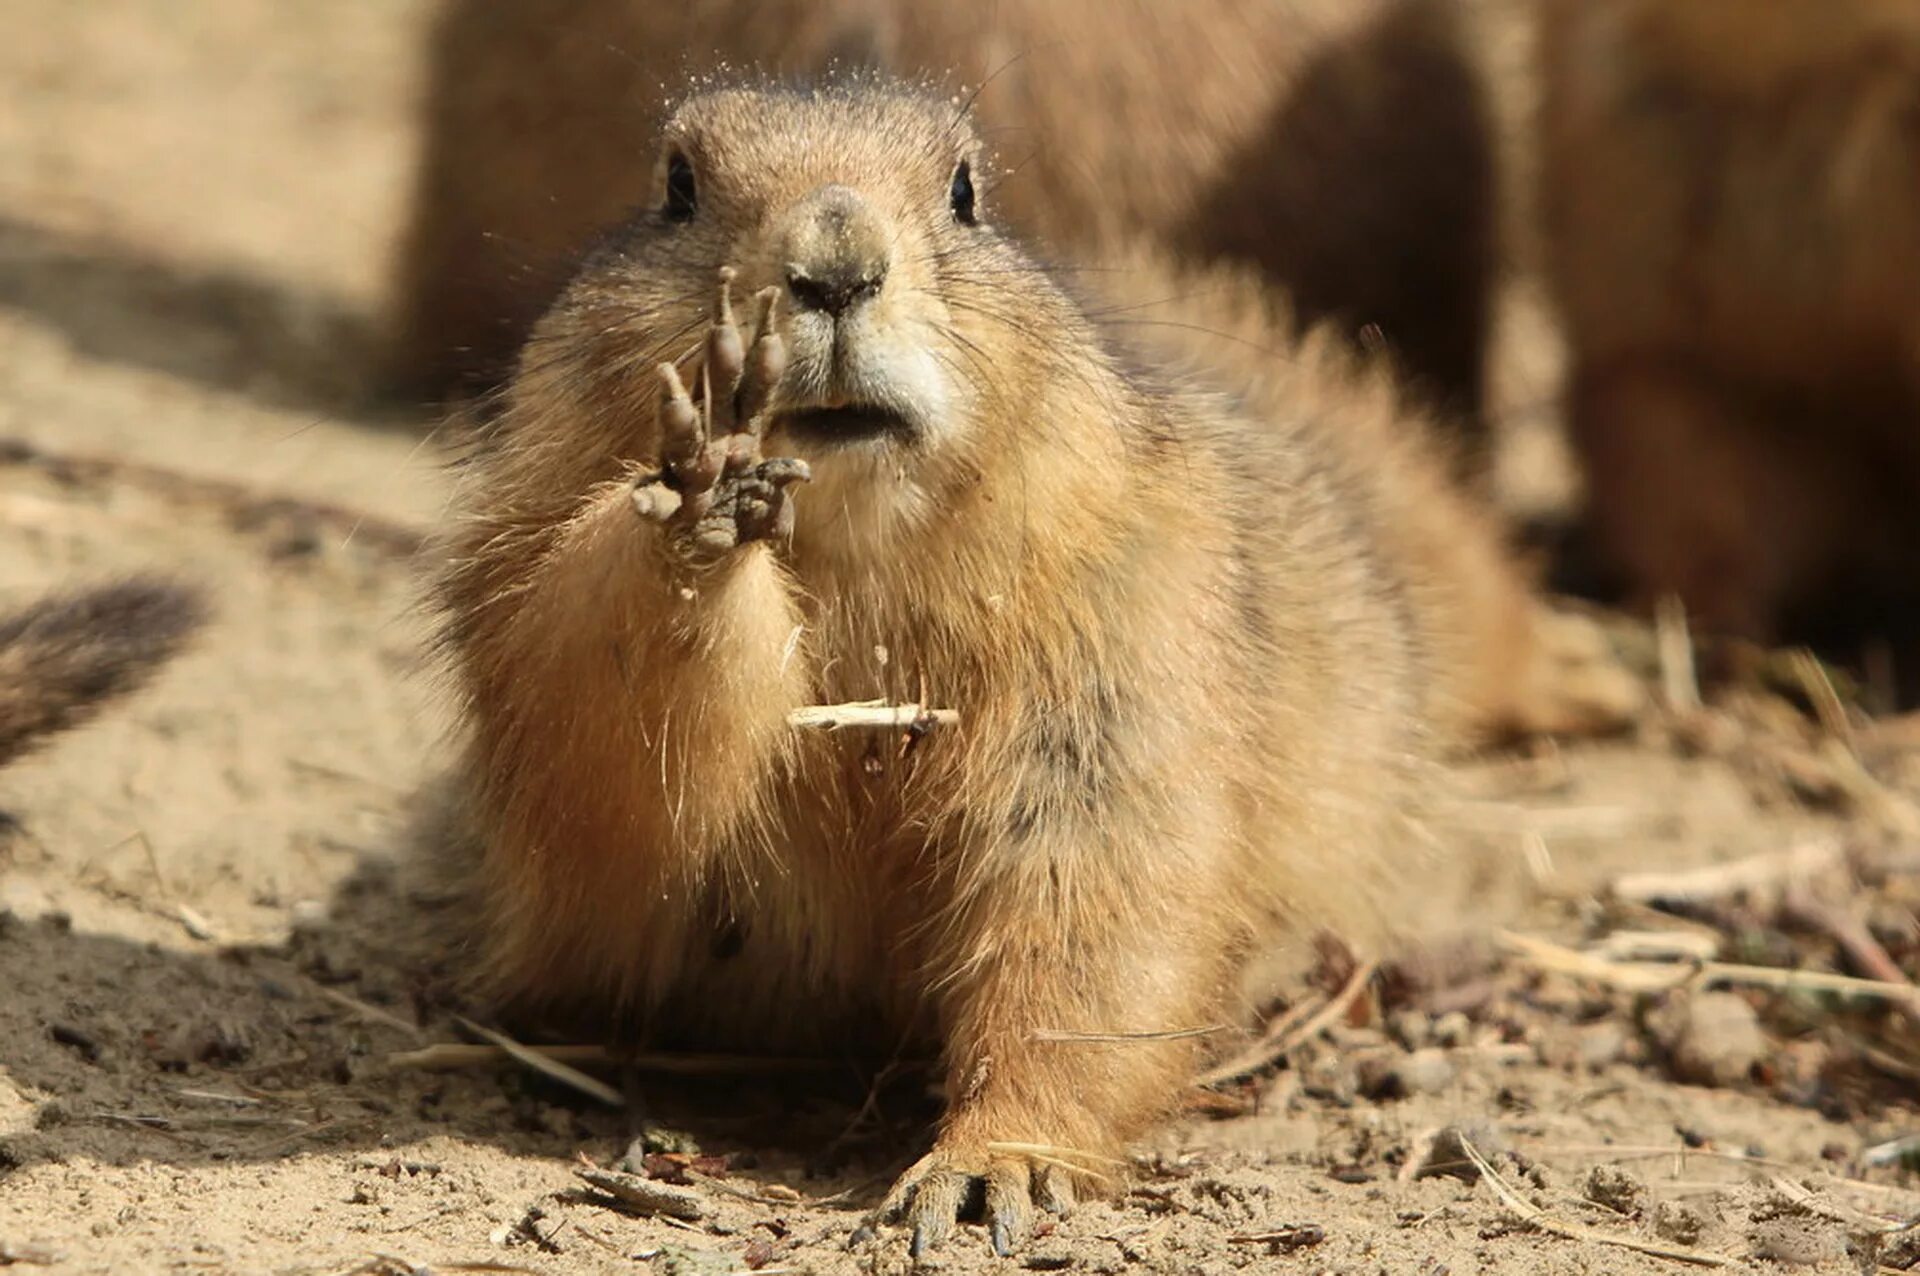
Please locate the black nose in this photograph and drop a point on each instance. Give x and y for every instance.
(836, 289)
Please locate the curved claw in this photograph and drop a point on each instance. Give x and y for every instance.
(1009, 1204)
(726, 359)
(766, 362)
(715, 491)
(933, 1193)
(1053, 1190)
(681, 440)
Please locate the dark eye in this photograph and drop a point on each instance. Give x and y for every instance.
(680, 200)
(960, 195)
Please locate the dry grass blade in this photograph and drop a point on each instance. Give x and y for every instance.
(448, 1056)
(552, 1068)
(648, 1196)
(1539, 1218)
(1893, 810)
(372, 1014)
(1658, 945)
(1262, 1052)
(1717, 881)
(1861, 948)
(397, 1265)
(872, 714)
(1074, 1160)
(1058, 1035)
(1289, 1031)
(1620, 1153)
(1679, 683)
(1824, 696)
(1660, 977)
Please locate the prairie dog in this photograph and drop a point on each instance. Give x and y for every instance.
(1732, 202)
(63, 656)
(1340, 146)
(1199, 662)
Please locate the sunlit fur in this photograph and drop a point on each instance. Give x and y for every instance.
(1338, 145)
(1200, 662)
(1732, 194)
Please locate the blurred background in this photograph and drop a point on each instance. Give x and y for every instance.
(1649, 269)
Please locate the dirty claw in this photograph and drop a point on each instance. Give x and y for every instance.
(715, 491)
(943, 1188)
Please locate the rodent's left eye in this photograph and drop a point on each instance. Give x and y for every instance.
(960, 194)
(680, 189)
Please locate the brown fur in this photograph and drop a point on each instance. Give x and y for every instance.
(1732, 193)
(1200, 648)
(1340, 146)
(1514, 665)
(66, 655)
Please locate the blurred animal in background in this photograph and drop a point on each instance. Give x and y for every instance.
(66, 655)
(1731, 193)
(1340, 146)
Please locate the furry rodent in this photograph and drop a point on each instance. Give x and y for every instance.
(1732, 204)
(1201, 647)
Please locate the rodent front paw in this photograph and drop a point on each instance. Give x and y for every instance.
(715, 490)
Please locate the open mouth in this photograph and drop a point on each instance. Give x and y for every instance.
(849, 424)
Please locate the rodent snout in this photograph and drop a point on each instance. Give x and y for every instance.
(836, 251)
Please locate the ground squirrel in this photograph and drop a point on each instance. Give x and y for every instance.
(1199, 645)
(65, 655)
(1732, 201)
(1341, 146)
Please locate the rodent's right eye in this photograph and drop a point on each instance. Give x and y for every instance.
(680, 189)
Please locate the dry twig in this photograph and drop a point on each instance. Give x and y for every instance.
(448, 1056)
(872, 714)
(552, 1068)
(1300, 1024)
(1679, 684)
(1717, 881)
(371, 1013)
(648, 1196)
(1539, 1218)
(1661, 977)
(1062, 1036)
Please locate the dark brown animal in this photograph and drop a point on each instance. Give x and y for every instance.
(1732, 197)
(63, 657)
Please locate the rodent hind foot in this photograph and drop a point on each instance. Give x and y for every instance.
(715, 490)
(948, 1185)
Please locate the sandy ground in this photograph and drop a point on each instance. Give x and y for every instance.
(207, 957)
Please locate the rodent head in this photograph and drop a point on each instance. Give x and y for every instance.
(847, 199)
(908, 318)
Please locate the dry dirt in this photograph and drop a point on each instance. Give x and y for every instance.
(207, 958)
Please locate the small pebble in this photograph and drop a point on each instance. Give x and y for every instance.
(1425, 1072)
(1678, 1222)
(308, 914)
(1447, 1154)
(1711, 1038)
(1615, 1188)
(1601, 1045)
(1411, 1028)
